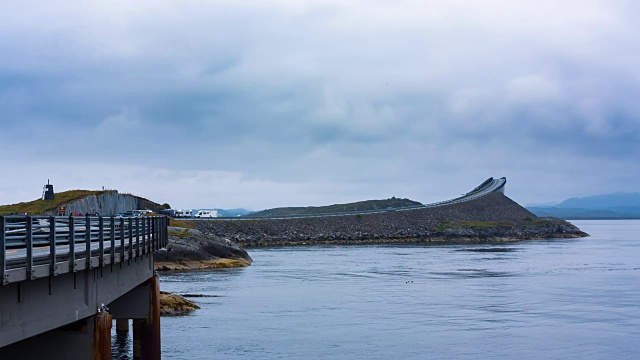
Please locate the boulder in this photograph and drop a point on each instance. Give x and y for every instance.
(172, 304)
(191, 249)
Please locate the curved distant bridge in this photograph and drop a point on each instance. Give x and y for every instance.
(485, 188)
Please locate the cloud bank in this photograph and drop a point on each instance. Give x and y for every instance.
(257, 105)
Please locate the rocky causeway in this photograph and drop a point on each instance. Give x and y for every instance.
(493, 217)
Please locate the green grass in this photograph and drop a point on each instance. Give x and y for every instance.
(179, 233)
(538, 221)
(446, 225)
(186, 224)
(485, 224)
(37, 207)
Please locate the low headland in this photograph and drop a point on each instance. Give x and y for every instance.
(491, 218)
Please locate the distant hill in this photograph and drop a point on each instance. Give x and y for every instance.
(40, 206)
(338, 208)
(234, 212)
(603, 201)
(608, 206)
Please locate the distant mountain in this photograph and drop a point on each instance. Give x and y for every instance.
(609, 206)
(234, 212)
(338, 208)
(602, 201)
(546, 204)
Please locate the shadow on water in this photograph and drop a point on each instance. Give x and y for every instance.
(121, 346)
(473, 273)
(489, 250)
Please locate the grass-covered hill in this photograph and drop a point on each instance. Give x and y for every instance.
(40, 206)
(64, 198)
(338, 208)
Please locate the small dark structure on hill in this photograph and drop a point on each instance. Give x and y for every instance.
(47, 192)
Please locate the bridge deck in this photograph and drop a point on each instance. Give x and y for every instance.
(58, 270)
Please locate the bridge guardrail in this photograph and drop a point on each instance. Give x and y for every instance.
(41, 246)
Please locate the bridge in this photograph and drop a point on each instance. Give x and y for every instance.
(485, 188)
(64, 279)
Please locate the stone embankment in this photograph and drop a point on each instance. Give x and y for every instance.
(190, 249)
(494, 217)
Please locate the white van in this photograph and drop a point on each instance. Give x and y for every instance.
(183, 213)
(207, 213)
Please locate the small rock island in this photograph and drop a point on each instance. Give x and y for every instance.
(190, 249)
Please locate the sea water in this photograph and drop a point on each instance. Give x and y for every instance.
(542, 299)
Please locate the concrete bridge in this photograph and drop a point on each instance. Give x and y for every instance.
(63, 280)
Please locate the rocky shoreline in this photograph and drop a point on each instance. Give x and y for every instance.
(431, 240)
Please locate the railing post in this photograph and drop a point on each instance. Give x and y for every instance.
(159, 232)
(72, 244)
(143, 232)
(87, 240)
(130, 238)
(162, 229)
(29, 229)
(52, 246)
(121, 240)
(142, 237)
(101, 240)
(148, 235)
(112, 235)
(137, 236)
(3, 245)
(154, 228)
(165, 232)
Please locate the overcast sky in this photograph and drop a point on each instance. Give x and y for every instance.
(260, 104)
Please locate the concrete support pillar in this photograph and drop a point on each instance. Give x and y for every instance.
(146, 332)
(122, 325)
(102, 336)
(88, 338)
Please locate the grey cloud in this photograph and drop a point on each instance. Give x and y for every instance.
(415, 97)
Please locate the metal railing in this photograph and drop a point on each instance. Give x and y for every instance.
(40, 246)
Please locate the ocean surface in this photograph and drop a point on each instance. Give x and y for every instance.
(543, 299)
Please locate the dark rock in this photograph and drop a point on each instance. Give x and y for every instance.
(172, 304)
(191, 249)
